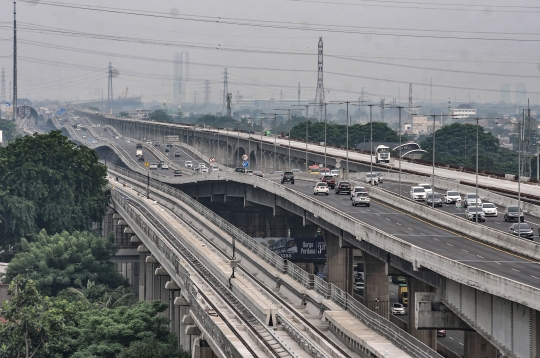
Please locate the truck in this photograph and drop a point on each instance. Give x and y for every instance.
(138, 153)
(403, 294)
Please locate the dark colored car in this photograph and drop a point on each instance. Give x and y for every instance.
(513, 213)
(434, 200)
(177, 173)
(156, 144)
(522, 230)
(141, 158)
(169, 144)
(330, 180)
(343, 187)
(177, 153)
(287, 176)
(139, 146)
(239, 170)
(167, 150)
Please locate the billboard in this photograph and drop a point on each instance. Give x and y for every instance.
(310, 249)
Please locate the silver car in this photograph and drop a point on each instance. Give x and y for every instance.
(357, 189)
(452, 196)
(490, 209)
(472, 199)
(474, 212)
(418, 193)
(361, 199)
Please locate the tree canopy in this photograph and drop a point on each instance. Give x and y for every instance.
(65, 260)
(48, 182)
(336, 133)
(160, 116)
(456, 144)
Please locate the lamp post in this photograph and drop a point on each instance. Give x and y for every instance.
(288, 110)
(346, 176)
(275, 138)
(307, 122)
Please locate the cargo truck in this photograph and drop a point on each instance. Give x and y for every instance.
(403, 294)
(139, 153)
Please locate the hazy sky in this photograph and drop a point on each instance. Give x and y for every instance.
(467, 47)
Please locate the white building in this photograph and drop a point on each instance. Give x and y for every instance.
(463, 111)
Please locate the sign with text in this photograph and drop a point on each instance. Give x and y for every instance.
(304, 249)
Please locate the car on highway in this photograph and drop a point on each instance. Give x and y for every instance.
(177, 173)
(84, 136)
(157, 144)
(441, 333)
(296, 171)
(513, 213)
(361, 199)
(334, 173)
(169, 144)
(141, 158)
(164, 166)
(153, 166)
(215, 169)
(321, 188)
(167, 150)
(202, 165)
(149, 142)
(472, 199)
(287, 176)
(427, 188)
(359, 288)
(418, 193)
(177, 153)
(490, 209)
(204, 170)
(279, 172)
(239, 170)
(330, 180)
(343, 187)
(397, 308)
(522, 230)
(188, 164)
(116, 137)
(379, 176)
(434, 199)
(473, 212)
(258, 173)
(452, 196)
(357, 189)
(324, 171)
(371, 177)
(138, 146)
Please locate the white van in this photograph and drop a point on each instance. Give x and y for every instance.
(335, 173)
(189, 164)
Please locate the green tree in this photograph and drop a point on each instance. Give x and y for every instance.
(48, 182)
(108, 332)
(160, 116)
(32, 326)
(65, 260)
(123, 114)
(94, 109)
(152, 348)
(9, 130)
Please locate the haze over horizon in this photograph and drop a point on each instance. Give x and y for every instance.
(467, 49)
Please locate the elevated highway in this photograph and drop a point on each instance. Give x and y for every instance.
(490, 289)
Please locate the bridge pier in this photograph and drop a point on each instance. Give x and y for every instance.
(426, 336)
(339, 263)
(376, 286)
(201, 349)
(149, 269)
(477, 346)
(181, 310)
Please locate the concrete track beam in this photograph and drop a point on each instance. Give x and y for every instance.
(376, 286)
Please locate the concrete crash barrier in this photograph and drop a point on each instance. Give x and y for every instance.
(480, 232)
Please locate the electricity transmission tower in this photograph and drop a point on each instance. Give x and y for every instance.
(207, 92)
(3, 93)
(528, 135)
(319, 94)
(225, 89)
(110, 89)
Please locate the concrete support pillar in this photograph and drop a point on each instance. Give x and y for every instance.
(376, 285)
(183, 310)
(426, 336)
(201, 349)
(142, 275)
(477, 346)
(151, 263)
(339, 263)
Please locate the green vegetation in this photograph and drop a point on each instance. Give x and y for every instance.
(9, 130)
(160, 116)
(456, 144)
(48, 182)
(94, 109)
(65, 260)
(123, 114)
(336, 133)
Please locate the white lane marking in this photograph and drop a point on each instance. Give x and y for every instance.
(480, 256)
(514, 269)
(451, 338)
(464, 250)
(435, 239)
(410, 229)
(421, 233)
(496, 222)
(538, 278)
(497, 262)
(460, 343)
(387, 219)
(449, 244)
(393, 294)
(398, 224)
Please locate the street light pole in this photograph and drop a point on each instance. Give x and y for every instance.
(476, 194)
(399, 132)
(325, 144)
(260, 167)
(371, 142)
(433, 170)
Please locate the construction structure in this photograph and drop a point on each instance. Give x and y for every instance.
(3, 89)
(110, 89)
(180, 76)
(14, 104)
(207, 91)
(319, 93)
(528, 137)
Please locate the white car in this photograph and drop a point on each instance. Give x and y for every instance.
(397, 308)
(215, 169)
(427, 188)
(165, 166)
(202, 165)
(490, 209)
(370, 177)
(418, 193)
(321, 188)
(452, 196)
(149, 142)
(361, 199)
(153, 166)
(335, 173)
(473, 211)
(188, 164)
(204, 170)
(357, 189)
(471, 199)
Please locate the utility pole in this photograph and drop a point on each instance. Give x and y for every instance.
(319, 94)
(14, 104)
(3, 93)
(298, 93)
(228, 98)
(382, 110)
(110, 89)
(410, 104)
